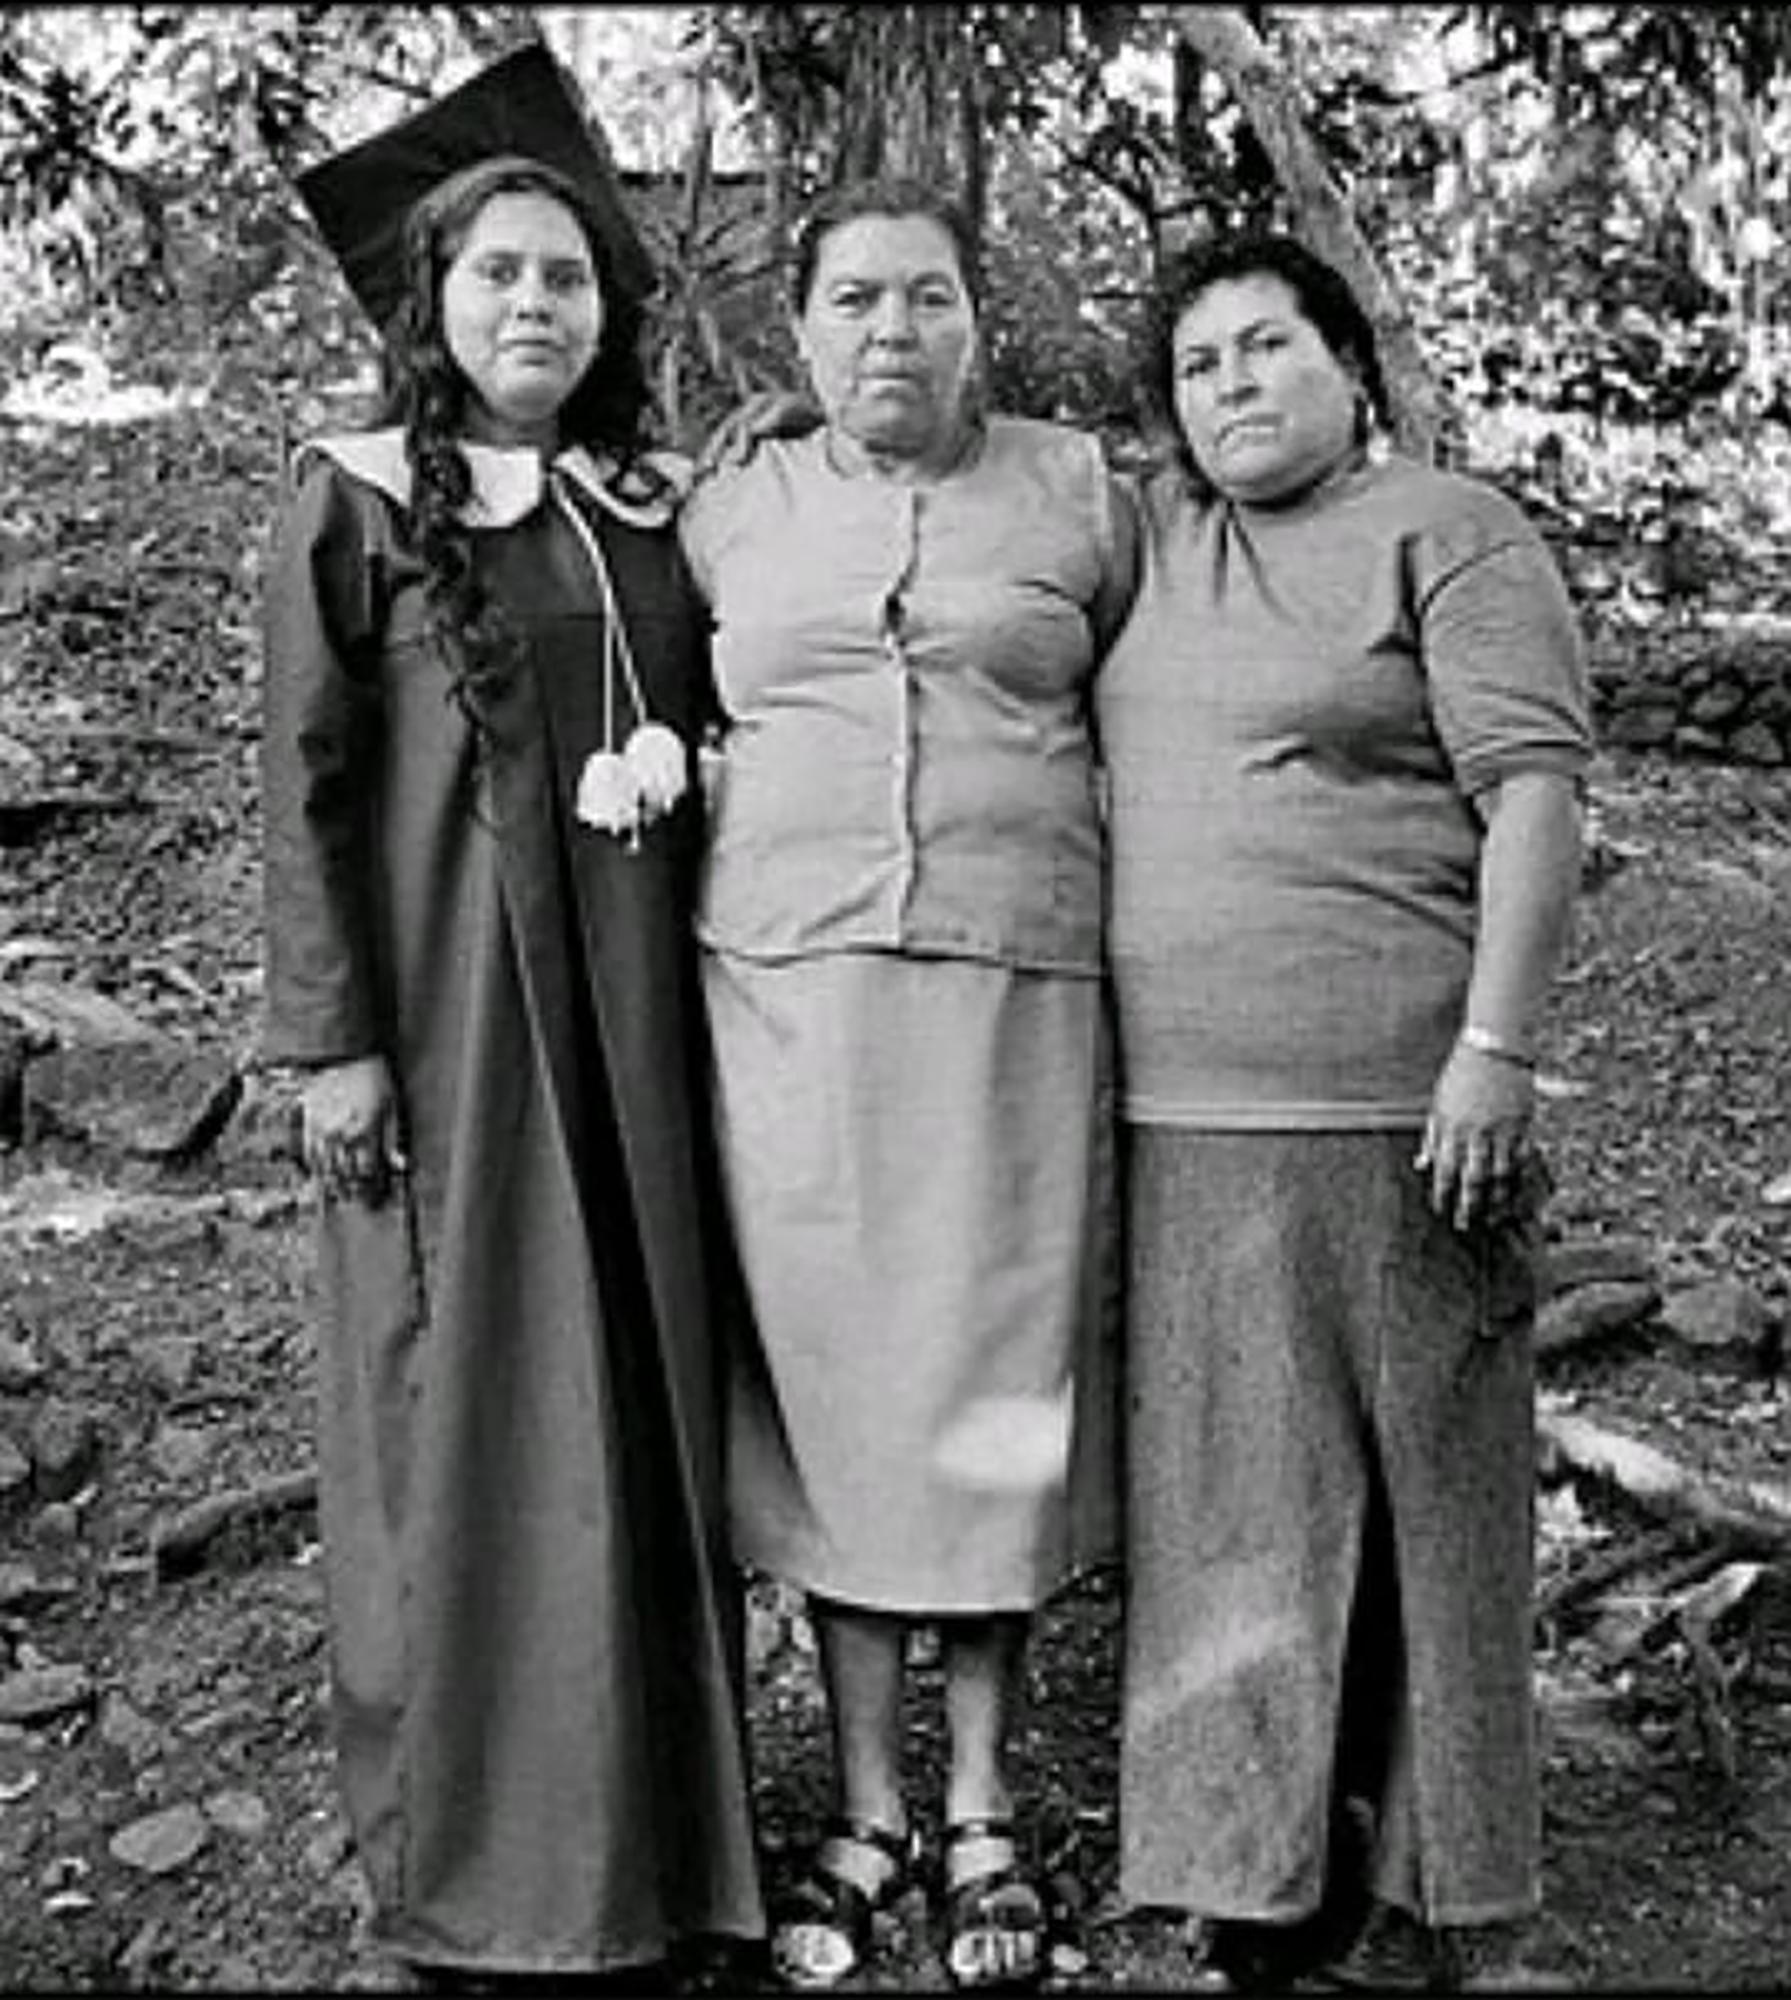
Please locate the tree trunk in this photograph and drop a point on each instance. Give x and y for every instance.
(973, 194)
(1225, 40)
(905, 73)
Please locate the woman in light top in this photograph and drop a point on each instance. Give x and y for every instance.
(1345, 730)
(900, 919)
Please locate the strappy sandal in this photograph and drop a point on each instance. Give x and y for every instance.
(831, 1907)
(1000, 1901)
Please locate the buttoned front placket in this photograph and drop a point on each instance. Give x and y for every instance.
(905, 756)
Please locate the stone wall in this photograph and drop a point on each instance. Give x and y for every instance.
(1699, 691)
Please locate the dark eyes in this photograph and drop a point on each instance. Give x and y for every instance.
(1196, 361)
(861, 298)
(563, 275)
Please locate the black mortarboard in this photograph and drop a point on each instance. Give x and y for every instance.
(520, 105)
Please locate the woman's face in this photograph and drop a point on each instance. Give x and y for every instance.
(1264, 404)
(522, 314)
(888, 332)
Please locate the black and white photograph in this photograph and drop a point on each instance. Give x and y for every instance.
(895, 999)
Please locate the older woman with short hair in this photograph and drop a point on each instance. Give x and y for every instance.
(901, 930)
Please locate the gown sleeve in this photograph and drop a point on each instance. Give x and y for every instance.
(321, 722)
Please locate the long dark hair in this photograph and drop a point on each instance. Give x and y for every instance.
(1321, 293)
(427, 395)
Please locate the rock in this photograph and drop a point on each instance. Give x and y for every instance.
(155, 1100)
(218, 1718)
(1588, 1260)
(19, 1777)
(59, 1522)
(1755, 743)
(68, 1345)
(166, 1361)
(17, 1583)
(1691, 741)
(23, 1591)
(244, 1814)
(1778, 1192)
(328, 1847)
(177, 1451)
(257, 1207)
(39, 1694)
(64, 1444)
(1742, 884)
(15, 1470)
(162, 1841)
(1721, 701)
(1584, 1716)
(263, 1130)
(1591, 1311)
(139, 1956)
(21, 1366)
(1723, 1321)
(1772, 701)
(54, 1012)
(63, 1871)
(1643, 725)
(128, 1730)
(1601, 857)
(237, 1972)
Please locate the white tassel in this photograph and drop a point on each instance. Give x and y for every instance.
(655, 755)
(608, 794)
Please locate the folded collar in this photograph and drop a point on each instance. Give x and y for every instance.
(507, 480)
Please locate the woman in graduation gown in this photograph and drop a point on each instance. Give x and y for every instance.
(483, 686)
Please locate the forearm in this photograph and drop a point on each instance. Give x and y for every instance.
(1529, 877)
(319, 778)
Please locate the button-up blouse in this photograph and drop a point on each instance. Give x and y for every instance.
(904, 672)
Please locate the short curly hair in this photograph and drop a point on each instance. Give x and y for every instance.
(1322, 294)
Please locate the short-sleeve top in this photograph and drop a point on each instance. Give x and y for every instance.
(1296, 720)
(907, 764)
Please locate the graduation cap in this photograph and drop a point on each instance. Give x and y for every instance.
(518, 106)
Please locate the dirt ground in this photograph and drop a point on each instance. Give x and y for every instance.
(1666, 1862)
(181, 1338)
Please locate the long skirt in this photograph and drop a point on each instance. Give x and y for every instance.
(910, 1155)
(1330, 1507)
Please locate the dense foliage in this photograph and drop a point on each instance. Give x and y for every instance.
(1582, 207)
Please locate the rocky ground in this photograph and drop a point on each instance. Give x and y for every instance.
(166, 1820)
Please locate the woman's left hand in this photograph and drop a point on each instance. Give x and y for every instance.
(1477, 1136)
(772, 413)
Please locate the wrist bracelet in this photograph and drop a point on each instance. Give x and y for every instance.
(1488, 1044)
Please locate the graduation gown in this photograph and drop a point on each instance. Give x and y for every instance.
(534, 1622)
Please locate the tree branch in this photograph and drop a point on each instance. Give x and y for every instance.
(1753, 1515)
(1226, 42)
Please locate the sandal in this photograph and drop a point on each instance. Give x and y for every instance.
(823, 1929)
(996, 1907)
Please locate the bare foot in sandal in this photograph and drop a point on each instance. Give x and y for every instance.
(996, 1920)
(823, 1930)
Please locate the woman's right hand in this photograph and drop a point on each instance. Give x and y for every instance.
(349, 1122)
